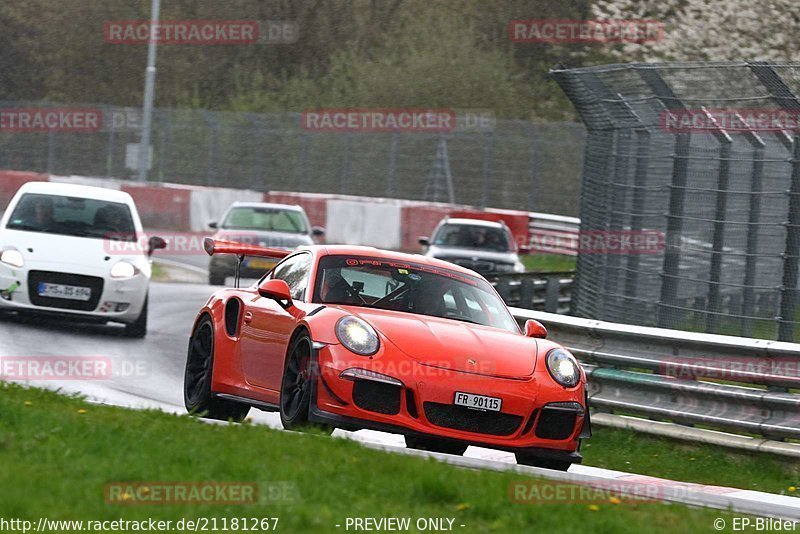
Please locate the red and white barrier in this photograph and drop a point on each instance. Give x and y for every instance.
(380, 222)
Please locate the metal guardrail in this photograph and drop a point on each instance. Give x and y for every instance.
(740, 385)
(550, 292)
(554, 234)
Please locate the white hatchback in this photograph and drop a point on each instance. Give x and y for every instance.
(76, 251)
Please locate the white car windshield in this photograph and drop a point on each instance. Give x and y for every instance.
(265, 219)
(413, 288)
(472, 236)
(72, 216)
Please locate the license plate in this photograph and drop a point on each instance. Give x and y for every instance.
(259, 264)
(61, 291)
(478, 402)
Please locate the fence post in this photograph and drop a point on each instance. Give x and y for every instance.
(718, 236)
(344, 185)
(488, 153)
(791, 253)
(753, 217)
(212, 148)
(637, 207)
(111, 138)
(552, 290)
(786, 99)
(51, 152)
(677, 192)
(391, 179)
(533, 187)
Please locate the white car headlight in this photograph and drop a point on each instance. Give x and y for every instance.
(519, 267)
(12, 257)
(122, 269)
(563, 367)
(357, 335)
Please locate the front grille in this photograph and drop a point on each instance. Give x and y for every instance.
(93, 282)
(377, 397)
(557, 420)
(468, 420)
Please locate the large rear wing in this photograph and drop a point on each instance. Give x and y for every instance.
(216, 246)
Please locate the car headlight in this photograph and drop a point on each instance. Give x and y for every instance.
(122, 269)
(519, 267)
(12, 257)
(563, 367)
(357, 335)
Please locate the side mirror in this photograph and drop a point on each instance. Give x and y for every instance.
(535, 329)
(317, 231)
(424, 241)
(276, 290)
(213, 225)
(155, 243)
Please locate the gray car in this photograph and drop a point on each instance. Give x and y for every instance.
(486, 247)
(262, 224)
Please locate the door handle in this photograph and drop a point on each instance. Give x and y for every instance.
(247, 317)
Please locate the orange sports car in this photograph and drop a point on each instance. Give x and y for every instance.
(362, 338)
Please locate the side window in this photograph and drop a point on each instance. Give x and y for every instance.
(294, 271)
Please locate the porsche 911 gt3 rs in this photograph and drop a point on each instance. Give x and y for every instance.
(361, 338)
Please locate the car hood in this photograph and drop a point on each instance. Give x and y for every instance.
(265, 239)
(447, 253)
(68, 250)
(457, 345)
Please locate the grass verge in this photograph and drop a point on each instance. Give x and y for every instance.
(548, 262)
(625, 450)
(58, 454)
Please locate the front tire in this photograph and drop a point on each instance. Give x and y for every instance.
(436, 445)
(297, 386)
(197, 396)
(546, 463)
(138, 328)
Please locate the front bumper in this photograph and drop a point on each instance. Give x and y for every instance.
(537, 417)
(119, 300)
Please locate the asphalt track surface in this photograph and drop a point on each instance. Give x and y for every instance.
(148, 373)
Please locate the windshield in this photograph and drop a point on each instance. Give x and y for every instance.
(472, 236)
(412, 288)
(73, 216)
(265, 219)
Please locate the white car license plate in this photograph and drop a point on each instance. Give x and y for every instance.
(478, 402)
(61, 291)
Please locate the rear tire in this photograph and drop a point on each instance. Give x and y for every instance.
(436, 445)
(138, 328)
(216, 279)
(546, 463)
(197, 396)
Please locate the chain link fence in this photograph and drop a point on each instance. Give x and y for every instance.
(708, 154)
(513, 164)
